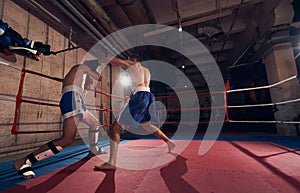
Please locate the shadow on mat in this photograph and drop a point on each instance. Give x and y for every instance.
(108, 184)
(172, 175)
(293, 181)
(50, 183)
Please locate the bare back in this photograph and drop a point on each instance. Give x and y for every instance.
(76, 75)
(147, 77)
(140, 76)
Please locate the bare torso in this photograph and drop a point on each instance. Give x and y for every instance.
(74, 77)
(140, 76)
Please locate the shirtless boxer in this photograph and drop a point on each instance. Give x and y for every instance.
(73, 111)
(137, 111)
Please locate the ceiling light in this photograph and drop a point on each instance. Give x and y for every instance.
(179, 24)
(180, 28)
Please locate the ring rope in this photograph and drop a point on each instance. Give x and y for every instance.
(267, 104)
(262, 87)
(283, 122)
(261, 105)
(229, 91)
(189, 109)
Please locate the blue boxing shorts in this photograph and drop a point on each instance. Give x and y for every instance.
(71, 103)
(138, 110)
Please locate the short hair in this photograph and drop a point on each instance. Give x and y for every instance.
(92, 64)
(136, 56)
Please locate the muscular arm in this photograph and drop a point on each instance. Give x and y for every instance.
(89, 79)
(93, 74)
(118, 62)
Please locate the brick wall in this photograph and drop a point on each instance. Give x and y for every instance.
(35, 117)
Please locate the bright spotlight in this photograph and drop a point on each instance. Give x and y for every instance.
(125, 80)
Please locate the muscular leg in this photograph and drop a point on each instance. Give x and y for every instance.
(67, 138)
(158, 133)
(114, 142)
(94, 129)
(114, 135)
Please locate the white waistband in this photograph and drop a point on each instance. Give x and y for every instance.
(72, 88)
(140, 88)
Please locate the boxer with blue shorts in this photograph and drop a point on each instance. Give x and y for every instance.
(73, 112)
(71, 103)
(138, 110)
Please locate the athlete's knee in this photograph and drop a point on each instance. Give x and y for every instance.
(115, 125)
(93, 124)
(149, 127)
(66, 141)
(114, 130)
(90, 119)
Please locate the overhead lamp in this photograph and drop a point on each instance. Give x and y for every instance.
(180, 28)
(179, 24)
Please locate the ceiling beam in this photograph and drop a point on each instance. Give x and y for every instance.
(206, 18)
(212, 14)
(99, 13)
(149, 12)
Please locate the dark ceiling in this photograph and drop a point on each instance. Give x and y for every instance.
(234, 31)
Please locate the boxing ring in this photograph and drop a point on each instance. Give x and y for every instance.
(235, 163)
(106, 110)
